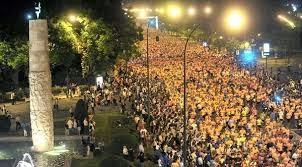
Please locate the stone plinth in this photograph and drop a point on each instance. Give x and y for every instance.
(41, 115)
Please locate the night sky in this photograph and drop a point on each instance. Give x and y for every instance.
(14, 10)
(262, 12)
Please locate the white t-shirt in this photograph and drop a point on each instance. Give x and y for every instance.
(70, 124)
(141, 148)
(125, 151)
(85, 122)
(136, 119)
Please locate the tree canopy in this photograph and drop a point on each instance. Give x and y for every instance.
(90, 45)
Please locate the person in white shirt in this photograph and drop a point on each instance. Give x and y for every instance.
(136, 119)
(141, 148)
(160, 164)
(3, 110)
(143, 134)
(70, 125)
(24, 132)
(13, 98)
(18, 123)
(125, 152)
(86, 126)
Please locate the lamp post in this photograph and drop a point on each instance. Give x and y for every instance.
(185, 98)
(148, 64)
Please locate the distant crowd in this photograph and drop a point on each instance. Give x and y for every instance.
(234, 117)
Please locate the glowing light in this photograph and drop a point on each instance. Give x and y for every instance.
(236, 20)
(290, 23)
(72, 18)
(191, 11)
(142, 14)
(174, 11)
(278, 96)
(246, 44)
(29, 16)
(221, 37)
(205, 44)
(266, 47)
(207, 10)
(161, 10)
(248, 56)
(259, 35)
(294, 7)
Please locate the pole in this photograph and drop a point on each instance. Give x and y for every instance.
(185, 99)
(148, 76)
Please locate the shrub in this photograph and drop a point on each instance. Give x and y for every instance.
(65, 90)
(56, 90)
(83, 88)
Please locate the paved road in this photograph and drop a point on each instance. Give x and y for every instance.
(22, 109)
(14, 139)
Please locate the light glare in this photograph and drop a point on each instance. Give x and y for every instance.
(290, 23)
(72, 18)
(236, 20)
(174, 11)
(142, 14)
(208, 10)
(191, 11)
(29, 17)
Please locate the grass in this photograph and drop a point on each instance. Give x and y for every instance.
(114, 137)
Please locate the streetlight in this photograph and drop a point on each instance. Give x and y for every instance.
(207, 10)
(235, 20)
(174, 11)
(142, 14)
(148, 64)
(73, 18)
(191, 11)
(184, 154)
(29, 16)
(292, 25)
(289, 22)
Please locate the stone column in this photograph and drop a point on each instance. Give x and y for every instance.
(41, 115)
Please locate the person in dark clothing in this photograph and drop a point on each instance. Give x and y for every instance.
(141, 159)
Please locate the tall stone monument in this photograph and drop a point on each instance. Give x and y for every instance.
(41, 115)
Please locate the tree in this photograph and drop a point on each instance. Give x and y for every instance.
(14, 58)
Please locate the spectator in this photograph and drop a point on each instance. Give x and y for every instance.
(13, 98)
(70, 126)
(141, 159)
(86, 126)
(125, 152)
(18, 123)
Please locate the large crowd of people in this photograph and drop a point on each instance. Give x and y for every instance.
(233, 116)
